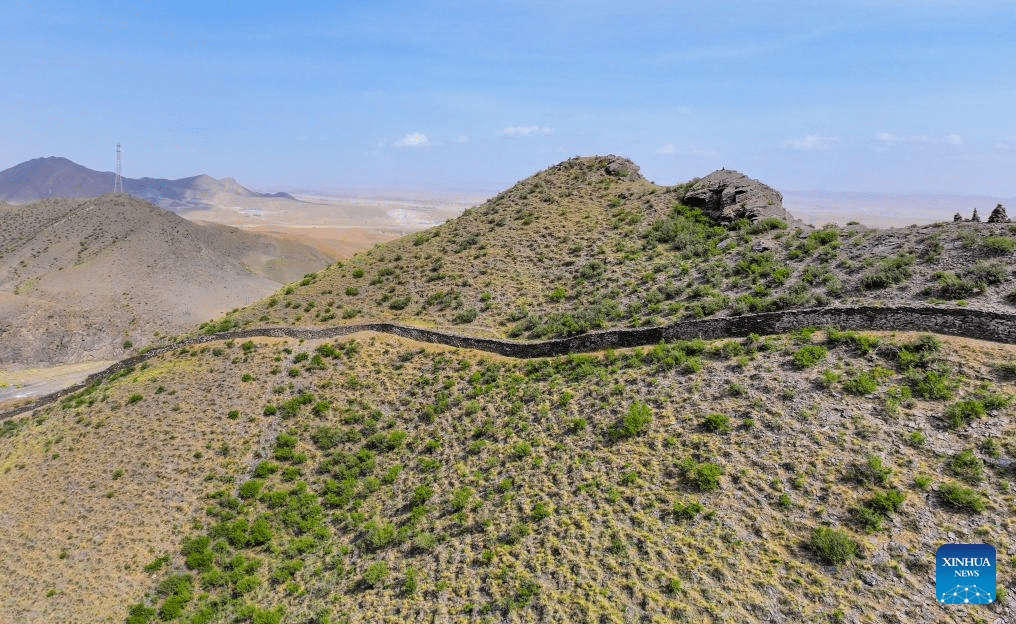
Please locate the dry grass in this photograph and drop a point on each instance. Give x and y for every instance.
(611, 547)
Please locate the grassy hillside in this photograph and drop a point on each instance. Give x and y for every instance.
(574, 248)
(806, 477)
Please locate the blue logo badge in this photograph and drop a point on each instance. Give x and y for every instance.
(965, 574)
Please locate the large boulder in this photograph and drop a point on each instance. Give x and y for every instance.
(726, 195)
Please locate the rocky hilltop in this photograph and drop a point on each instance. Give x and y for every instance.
(590, 244)
(727, 195)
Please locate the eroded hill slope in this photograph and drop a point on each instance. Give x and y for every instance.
(79, 277)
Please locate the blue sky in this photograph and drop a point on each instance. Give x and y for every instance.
(860, 95)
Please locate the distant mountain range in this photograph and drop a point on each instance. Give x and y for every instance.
(54, 176)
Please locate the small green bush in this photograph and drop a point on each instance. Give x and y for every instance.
(716, 422)
(540, 511)
(962, 498)
(997, 245)
(870, 472)
(959, 414)
(861, 383)
(634, 423)
(465, 316)
(687, 511)
(834, 546)
(421, 495)
(809, 355)
(705, 476)
(932, 385)
(916, 439)
(890, 271)
(966, 466)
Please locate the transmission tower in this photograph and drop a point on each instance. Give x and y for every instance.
(118, 182)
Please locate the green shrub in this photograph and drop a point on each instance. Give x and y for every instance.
(380, 534)
(716, 422)
(540, 511)
(997, 245)
(959, 414)
(949, 286)
(460, 498)
(886, 503)
(197, 554)
(250, 489)
(809, 355)
(932, 385)
(705, 476)
(260, 531)
(134, 398)
(890, 271)
(870, 472)
(687, 511)
(966, 466)
(861, 383)
(267, 616)
(421, 495)
(833, 546)
(634, 423)
(140, 614)
(399, 303)
(465, 316)
(687, 231)
(962, 498)
(991, 273)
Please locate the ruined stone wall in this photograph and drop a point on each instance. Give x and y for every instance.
(980, 324)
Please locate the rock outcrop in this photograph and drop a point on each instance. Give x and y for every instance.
(620, 167)
(726, 195)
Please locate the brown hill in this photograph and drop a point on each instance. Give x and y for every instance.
(79, 277)
(54, 176)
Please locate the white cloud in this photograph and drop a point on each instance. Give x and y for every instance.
(462, 139)
(888, 139)
(685, 150)
(524, 131)
(812, 142)
(413, 139)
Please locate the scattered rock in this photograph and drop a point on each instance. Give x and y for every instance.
(957, 217)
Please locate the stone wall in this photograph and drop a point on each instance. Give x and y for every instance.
(984, 325)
